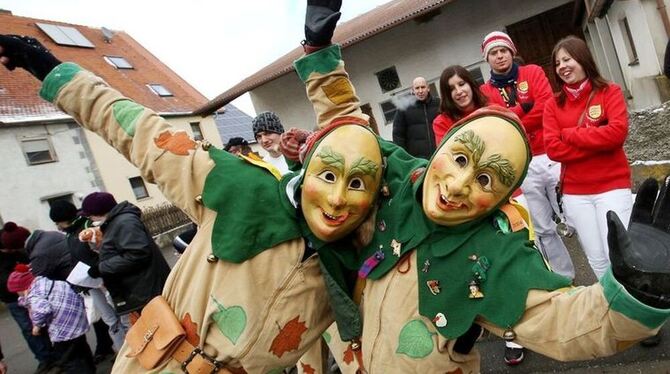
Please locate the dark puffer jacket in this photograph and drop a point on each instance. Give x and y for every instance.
(413, 127)
(131, 265)
(49, 255)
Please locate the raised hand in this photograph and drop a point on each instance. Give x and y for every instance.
(641, 256)
(27, 53)
(320, 21)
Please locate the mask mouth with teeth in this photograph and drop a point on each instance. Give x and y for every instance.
(475, 170)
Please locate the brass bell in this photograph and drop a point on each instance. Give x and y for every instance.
(509, 335)
(211, 258)
(206, 145)
(198, 199)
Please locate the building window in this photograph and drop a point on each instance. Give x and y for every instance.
(389, 109)
(628, 42)
(38, 151)
(65, 35)
(197, 132)
(118, 62)
(139, 188)
(66, 197)
(388, 79)
(160, 90)
(477, 76)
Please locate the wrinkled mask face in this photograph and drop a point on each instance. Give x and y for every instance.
(473, 171)
(341, 182)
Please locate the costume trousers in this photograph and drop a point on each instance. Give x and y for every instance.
(539, 188)
(588, 213)
(39, 345)
(117, 331)
(75, 356)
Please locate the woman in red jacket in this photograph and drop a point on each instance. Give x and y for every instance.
(460, 97)
(585, 128)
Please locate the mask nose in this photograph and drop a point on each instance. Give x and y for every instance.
(337, 197)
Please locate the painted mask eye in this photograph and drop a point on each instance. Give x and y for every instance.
(461, 159)
(485, 181)
(327, 176)
(357, 184)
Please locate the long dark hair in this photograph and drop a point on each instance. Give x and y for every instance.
(579, 52)
(447, 104)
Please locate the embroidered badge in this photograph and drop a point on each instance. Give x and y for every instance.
(178, 143)
(231, 321)
(289, 337)
(440, 320)
(397, 246)
(523, 87)
(339, 92)
(415, 340)
(595, 111)
(433, 286)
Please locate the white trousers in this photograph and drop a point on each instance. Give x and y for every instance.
(539, 188)
(588, 214)
(108, 315)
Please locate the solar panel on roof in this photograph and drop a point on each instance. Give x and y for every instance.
(65, 35)
(234, 123)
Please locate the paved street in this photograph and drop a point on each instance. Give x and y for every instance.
(635, 360)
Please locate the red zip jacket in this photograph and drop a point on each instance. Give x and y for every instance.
(442, 124)
(532, 87)
(592, 155)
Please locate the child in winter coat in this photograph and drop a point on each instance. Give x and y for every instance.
(55, 306)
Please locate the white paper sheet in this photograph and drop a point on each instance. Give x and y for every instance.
(79, 277)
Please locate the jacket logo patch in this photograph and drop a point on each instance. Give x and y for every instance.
(523, 87)
(339, 92)
(595, 111)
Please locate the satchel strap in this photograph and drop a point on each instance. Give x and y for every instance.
(194, 360)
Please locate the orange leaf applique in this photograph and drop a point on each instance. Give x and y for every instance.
(348, 355)
(307, 369)
(177, 143)
(191, 329)
(289, 337)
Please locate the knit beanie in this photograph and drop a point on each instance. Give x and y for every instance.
(97, 204)
(62, 211)
(267, 121)
(497, 39)
(14, 236)
(237, 141)
(20, 279)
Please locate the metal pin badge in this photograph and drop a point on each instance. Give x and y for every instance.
(433, 286)
(440, 320)
(426, 266)
(381, 225)
(396, 245)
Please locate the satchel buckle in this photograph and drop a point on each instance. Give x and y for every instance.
(217, 365)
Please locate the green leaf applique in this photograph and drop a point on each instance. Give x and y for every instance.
(415, 340)
(326, 337)
(230, 321)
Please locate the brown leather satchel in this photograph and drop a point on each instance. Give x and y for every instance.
(155, 335)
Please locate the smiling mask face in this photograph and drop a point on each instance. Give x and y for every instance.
(473, 171)
(341, 182)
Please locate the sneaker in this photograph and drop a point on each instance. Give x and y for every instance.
(513, 356)
(652, 341)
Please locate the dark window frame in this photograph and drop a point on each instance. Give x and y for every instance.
(139, 184)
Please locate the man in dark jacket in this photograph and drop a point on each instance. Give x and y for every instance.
(131, 265)
(49, 255)
(108, 330)
(413, 126)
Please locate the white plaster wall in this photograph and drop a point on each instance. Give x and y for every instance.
(24, 185)
(640, 78)
(453, 37)
(658, 35)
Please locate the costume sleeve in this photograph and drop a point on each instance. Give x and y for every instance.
(610, 136)
(38, 303)
(328, 85)
(532, 121)
(556, 148)
(134, 249)
(164, 156)
(584, 322)
(400, 128)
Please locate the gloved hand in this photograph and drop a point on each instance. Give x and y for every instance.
(320, 21)
(27, 53)
(527, 106)
(641, 257)
(94, 272)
